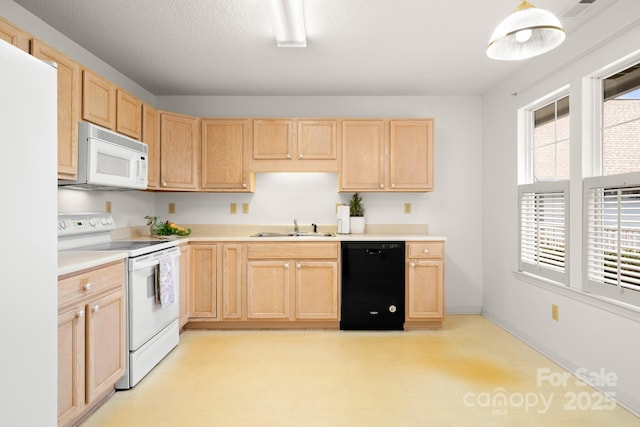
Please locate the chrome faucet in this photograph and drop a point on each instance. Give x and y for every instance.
(295, 226)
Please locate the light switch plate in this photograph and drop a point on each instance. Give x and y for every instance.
(172, 208)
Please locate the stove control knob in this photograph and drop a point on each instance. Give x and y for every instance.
(103, 221)
(93, 222)
(62, 225)
(109, 220)
(392, 308)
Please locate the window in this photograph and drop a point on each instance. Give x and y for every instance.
(612, 199)
(544, 189)
(543, 220)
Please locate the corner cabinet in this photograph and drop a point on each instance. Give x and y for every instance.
(179, 152)
(91, 338)
(424, 292)
(225, 150)
(69, 99)
(387, 155)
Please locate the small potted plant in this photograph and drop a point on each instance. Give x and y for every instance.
(356, 211)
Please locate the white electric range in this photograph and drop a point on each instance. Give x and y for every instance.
(152, 329)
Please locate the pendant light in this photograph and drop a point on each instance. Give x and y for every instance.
(525, 33)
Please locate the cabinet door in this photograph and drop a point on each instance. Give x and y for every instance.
(232, 262)
(98, 100)
(203, 281)
(71, 364)
(317, 290)
(179, 151)
(273, 139)
(425, 290)
(105, 343)
(363, 155)
(317, 139)
(128, 114)
(185, 269)
(68, 107)
(14, 35)
(268, 291)
(225, 145)
(151, 137)
(411, 155)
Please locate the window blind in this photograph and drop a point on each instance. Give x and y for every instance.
(543, 230)
(613, 236)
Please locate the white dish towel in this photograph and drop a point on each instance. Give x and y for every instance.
(166, 282)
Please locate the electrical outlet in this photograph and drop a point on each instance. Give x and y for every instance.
(407, 208)
(172, 208)
(555, 315)
(245, 208)
(107, 207)
(233, 208)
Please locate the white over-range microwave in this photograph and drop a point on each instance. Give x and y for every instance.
(108, 160)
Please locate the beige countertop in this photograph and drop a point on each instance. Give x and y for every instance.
(72, 261)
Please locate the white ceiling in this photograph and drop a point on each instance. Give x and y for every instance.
(354, 47)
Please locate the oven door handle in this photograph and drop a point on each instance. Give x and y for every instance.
(153, 259)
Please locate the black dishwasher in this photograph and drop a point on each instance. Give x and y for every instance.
(372, 286)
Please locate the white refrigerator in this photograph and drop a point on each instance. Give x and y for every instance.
(28, 220)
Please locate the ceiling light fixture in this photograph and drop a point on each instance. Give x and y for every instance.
(525, 33)
(287, 17)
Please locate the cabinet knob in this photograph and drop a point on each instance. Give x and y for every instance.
(301, 156)
(87, 286)
(426, 251)
(80, 314)
(244, 185)
(393, 186)
(164, 183)
(413, 264)
(286, 265)
(95, 308)
(381, 185)
(298, 266)
(288, 156)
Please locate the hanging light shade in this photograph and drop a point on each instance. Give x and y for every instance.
(525, 33)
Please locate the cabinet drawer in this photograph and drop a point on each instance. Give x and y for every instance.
(426, 250)
(292, 250)
(89, 283)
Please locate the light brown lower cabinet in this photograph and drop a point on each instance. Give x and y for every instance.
(204, 281)
(292, 281)
(91, 338)
(424, 305)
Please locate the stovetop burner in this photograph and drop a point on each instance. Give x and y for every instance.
(92, 232)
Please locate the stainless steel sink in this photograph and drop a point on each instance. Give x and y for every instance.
(292, 234)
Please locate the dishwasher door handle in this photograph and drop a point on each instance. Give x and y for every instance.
(373, 251)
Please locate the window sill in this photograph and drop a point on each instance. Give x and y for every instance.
(612, 306)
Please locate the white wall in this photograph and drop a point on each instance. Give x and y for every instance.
(452, 210)
(589, 334)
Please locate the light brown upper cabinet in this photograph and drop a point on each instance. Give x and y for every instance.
(98, 100)
(225, 148)
(295, 145)
(14, 35)
(69, 99)
(387, 155)
(363, 155)
(128, 114)
(179, 152)
(151, 137)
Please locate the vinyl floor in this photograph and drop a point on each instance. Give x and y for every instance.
(470, 373)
